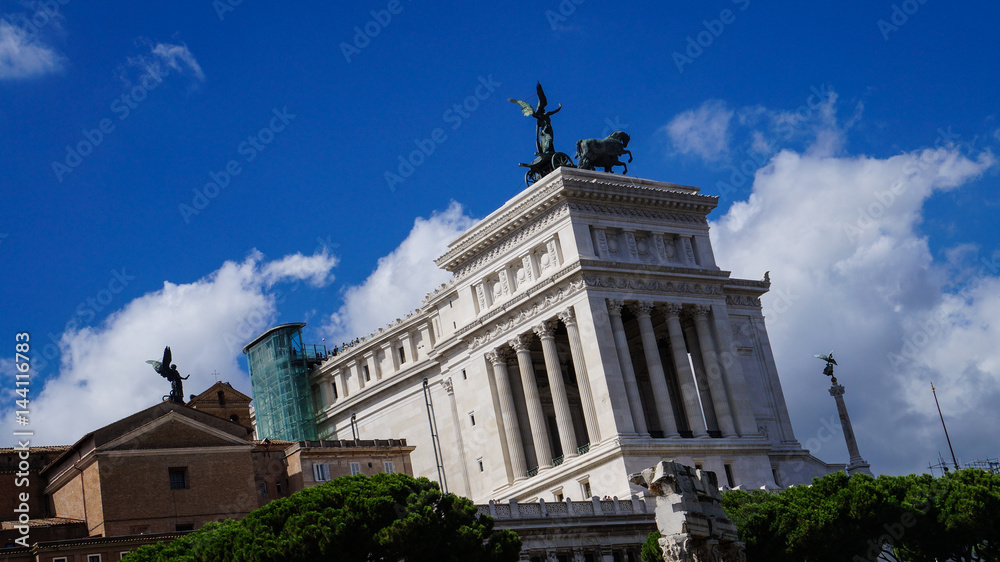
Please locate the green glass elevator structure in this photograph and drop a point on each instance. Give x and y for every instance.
(279, 375)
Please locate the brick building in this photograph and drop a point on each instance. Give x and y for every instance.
(168, 469)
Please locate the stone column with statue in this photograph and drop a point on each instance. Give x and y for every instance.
(856, 464)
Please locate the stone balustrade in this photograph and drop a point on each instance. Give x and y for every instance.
(594, 507)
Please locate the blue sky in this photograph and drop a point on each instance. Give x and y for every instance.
(115, 117)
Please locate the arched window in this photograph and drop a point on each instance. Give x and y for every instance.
(222, 398)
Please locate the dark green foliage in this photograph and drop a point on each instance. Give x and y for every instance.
(386, 517)
(905, 518)
(651, 551)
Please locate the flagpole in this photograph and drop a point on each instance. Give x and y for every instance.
(944, 426)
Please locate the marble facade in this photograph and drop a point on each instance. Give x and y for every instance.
(587, 334)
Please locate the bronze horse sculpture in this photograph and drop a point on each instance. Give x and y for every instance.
(603, 153)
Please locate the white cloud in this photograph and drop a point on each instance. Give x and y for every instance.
(163, 59)
(314, 269)
(22, 56)
(401, 280)
(851, 271)
(103, 375)
(703, 132)
(179, 58)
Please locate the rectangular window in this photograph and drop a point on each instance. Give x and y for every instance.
(355, 468)
(321, 471)
(389, 466)
(178, 478)
(585, 486)
(277, 487)
(263, 488)
(181, 527)
(93, 558)
(402, 355)
(558, 496)
(122, 555)
(368, 375)
(729, 475)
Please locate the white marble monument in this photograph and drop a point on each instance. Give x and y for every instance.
(587, 334)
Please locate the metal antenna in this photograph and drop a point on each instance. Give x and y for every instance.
(953, 460)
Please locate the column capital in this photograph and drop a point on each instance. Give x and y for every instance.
(672, 309)
(700, 310)
(642, 308)
(498, 356)
(837, 390)
(520, 342)
(615, 306)
(449, 387)
(568, 316)
(546, 329)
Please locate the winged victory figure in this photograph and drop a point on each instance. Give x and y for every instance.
(830, 362)
(169, 371)
(543, 124)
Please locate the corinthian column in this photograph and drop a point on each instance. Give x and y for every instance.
(684, 375)
(625, 360)
(568, 318)
(507, 412)
(536, 417)
(658, 380)
(714, 372)
(564, 419)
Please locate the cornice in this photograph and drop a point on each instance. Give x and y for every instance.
(687, 272)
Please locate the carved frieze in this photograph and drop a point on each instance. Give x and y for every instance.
(634, 213)
(742, 300)
(518, 317)
(633, 251)
(652, 285)
(514, 239)
(688, 250)
(602, 243)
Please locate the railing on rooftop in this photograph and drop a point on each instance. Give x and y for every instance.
(594, 507)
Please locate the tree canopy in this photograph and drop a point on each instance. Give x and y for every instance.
(385, 517)
(913, 518)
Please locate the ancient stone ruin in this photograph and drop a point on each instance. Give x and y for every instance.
(693, 527)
